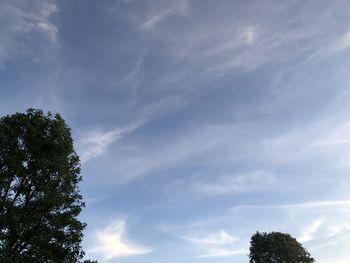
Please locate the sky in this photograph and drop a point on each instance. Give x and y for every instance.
(197, 122)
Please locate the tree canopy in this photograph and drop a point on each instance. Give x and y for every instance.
(276, 247)
(39, 196)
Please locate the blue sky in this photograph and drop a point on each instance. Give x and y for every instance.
(197, 122)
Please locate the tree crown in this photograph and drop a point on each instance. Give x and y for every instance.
(39, 196)
(276, 247)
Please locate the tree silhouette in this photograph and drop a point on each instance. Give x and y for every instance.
(276, 247)
(39, 196)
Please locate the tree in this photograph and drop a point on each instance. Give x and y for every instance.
(90, 261)
(39, 196)
(276, 247)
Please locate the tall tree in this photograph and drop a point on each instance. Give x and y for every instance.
(39, 196)
(276, 247)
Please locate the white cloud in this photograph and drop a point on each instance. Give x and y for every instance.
(237, 183)
(334, 47)
(250, 35)
(303, 206)
(27, 30)
(338, 135)
(222, 252)
(131, 75)
(338, 228)
(310, 231)
(180, 8)
(50, 30)
(231, 40)
(111, 242)
(218, 238)
(342, 43)
(215, 244)
(332, 218)
(138, 160)
(96, 143)
(48, 8)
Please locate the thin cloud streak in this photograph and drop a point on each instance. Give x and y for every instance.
(310, 231)
(25, 24)
(217, 238)
(305, 205)
(256, 180)
(223, 253)
(96, 143)
(333, 48)
(215, 244)
(180, 8)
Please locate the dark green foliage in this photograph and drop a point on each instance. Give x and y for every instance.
(277, 247)
(90, 261)
(39, 196)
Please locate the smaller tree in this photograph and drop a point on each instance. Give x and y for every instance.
(276, 247)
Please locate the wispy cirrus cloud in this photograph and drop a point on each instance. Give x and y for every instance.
(111, 242)
(335, 46)
(237, 183)
(338, 228)
(337, 136)
(310, 231)
(215, 244)
(27, 29)
(238, 42)
(329, 218)
(303, 205)
(220, 237)
(329, 225)
(177, 8)
(222, 252)
(96, 143)
(138, 161)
